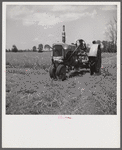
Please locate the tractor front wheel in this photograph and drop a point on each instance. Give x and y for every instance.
(61, 72)
(52, 71)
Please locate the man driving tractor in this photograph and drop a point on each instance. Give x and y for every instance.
(82, 46)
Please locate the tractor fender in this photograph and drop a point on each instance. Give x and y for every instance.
(93, 50)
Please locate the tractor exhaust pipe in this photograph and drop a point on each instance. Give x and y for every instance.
(63, 35)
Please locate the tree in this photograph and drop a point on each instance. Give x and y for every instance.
(111, 31)
(108, 47)
(34, 48)
(105, 46)
(47, 47)
(14, 48)
(40, 47)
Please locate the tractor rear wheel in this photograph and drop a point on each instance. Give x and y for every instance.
(61, 72)
(52, 71)
(92, 70)
(98, 62)
(92, 63)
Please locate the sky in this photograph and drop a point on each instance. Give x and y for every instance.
(31, 25)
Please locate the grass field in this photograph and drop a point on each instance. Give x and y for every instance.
(29, 89)
(31, 60)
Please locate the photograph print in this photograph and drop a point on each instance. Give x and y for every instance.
(61, 59)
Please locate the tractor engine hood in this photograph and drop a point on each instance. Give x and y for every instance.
(59, 59)
(64, 46)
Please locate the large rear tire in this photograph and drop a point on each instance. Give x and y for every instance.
(92, 70)
(61, 72)
(92, 62)
(98, 61)
(52, 71)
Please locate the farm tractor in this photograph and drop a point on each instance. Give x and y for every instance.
(67, 57)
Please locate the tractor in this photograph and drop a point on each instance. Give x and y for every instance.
(67, 57)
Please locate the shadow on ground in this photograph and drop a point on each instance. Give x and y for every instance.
(78, 73)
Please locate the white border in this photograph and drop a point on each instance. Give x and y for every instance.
(61, 3)
(87, 131)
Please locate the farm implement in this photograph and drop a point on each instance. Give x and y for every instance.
(67, 57)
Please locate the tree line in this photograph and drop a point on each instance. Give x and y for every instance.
(107, 46)
(40, 48)
(111, 35)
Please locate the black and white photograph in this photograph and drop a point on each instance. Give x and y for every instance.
(61, 60)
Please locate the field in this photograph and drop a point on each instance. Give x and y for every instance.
(29, 89)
